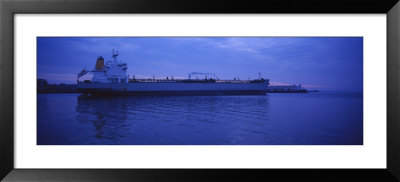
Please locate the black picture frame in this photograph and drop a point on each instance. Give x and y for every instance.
(8, 8)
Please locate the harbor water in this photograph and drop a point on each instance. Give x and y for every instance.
(317, 118)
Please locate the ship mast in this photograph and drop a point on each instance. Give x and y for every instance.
(115, 56)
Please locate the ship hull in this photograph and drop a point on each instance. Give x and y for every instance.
(173, 89)
(177, 93)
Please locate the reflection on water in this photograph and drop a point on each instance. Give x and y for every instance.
(278, 119)
(109, 123)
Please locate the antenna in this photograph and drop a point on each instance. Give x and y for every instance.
(259, 75)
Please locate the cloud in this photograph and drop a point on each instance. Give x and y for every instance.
(261, 48)
(101, 45)
(236, 44)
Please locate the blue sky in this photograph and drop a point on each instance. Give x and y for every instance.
(323, 63)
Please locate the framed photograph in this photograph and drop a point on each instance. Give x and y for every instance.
(125, 91)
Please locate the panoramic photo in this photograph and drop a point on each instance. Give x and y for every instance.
(199, 90)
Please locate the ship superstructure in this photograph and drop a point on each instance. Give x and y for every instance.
(112, 71)
(111, 78)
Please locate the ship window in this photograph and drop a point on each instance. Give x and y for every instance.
(114, 80)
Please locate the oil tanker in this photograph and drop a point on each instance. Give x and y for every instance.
(110, 78)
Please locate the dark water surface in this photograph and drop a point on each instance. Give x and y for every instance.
(275, 119)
